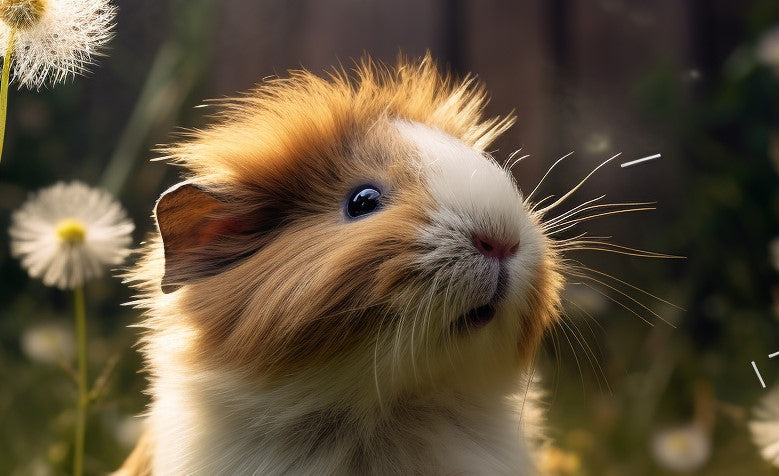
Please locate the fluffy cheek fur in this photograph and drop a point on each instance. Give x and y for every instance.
(472, 196)
(378, 298)
(306, 298)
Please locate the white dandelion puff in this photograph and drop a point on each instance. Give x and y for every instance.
(53, 40)
(685, 448)
(69, 233)
(765, 426)
(49, 343)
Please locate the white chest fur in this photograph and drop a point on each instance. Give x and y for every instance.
(207, 423)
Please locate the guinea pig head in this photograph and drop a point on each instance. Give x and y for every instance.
(356, 227)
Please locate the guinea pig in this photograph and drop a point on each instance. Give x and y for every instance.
(345, 282)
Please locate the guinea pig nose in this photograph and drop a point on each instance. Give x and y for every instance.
(495, 249)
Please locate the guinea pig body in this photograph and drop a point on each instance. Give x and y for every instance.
(346, 284)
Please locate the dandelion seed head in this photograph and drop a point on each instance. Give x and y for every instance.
(22, 14)
(69, 233)
(48, 343)
(60, 44)
(685, 448)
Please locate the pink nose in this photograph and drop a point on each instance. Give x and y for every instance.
(494, 248)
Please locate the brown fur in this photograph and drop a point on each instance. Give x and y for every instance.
(265, 160)
(271, 281)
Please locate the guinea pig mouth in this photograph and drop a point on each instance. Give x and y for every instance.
(480, 316)
(476, 318)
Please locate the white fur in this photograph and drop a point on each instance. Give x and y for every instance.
(209, 423)
(474, 196)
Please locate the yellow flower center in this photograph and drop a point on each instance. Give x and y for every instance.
(22, 14)
(680, 443)
(71, 231)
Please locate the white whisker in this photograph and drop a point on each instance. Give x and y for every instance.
(639, 161)
(565, 217)
(578, 185)
(574, 221)
(625, 283)
(622, 293)
(528, 198)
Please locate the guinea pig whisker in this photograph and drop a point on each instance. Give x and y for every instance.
(532, 192)
(574, 212)
(599, 356)
(538, 204)
(585, 313)
(597, 369)
(576, 244)
(518, 160)
(530, 377)
(619, 303)
(427, 321)
(622, 293)
(509, 165)
(420, 311)
(511, 156)
(573, 266)
(561, 227)
(398, 340)
(560, 230)
(588, 317)
(577, 186)
(632, 286)
(561, 244)
(379, 338)
(603, 246)
(574, 221)
(563, 328)
(446, 309)
(556, 347)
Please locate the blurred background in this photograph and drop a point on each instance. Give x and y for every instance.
(696, 81)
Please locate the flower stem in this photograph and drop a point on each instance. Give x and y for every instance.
(83, 397)
(4, 80)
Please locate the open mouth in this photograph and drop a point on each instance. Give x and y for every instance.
(480, 316)
(477, 317)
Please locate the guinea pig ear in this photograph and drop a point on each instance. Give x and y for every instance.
(190, 220)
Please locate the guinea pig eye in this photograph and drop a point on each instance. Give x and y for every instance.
(363, 200)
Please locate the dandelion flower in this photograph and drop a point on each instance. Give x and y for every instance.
(49, 343)
(53, 39)
(765, 426)
(684, 448)
(68, 233)
(49, 41)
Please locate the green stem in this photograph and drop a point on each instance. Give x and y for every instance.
(4, 80)
(83, 397)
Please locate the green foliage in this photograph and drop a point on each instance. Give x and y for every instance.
(727, 127)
